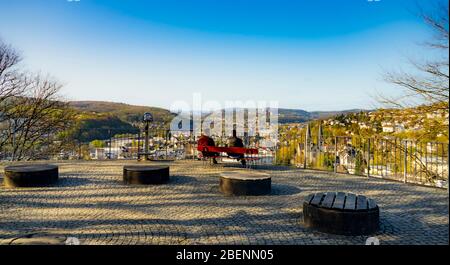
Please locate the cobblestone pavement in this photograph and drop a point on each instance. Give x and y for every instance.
(91, 203)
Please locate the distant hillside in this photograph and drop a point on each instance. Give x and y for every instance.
(293, 115)
(328, 114)
(100, 116)
(100, 127)
(298, 115)
(128, 113)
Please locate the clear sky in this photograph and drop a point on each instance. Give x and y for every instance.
(313, 55)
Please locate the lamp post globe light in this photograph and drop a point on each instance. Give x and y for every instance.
(147, 119)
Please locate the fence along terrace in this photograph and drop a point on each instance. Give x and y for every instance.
(409, 161)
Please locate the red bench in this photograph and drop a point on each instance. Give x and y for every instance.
(247, 153)
(230, 150)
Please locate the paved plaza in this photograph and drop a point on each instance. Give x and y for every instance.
(92, 204)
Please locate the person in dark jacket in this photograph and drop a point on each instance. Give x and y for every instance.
(207, 141)
(235, 141)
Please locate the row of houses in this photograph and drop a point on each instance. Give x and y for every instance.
(391, 122)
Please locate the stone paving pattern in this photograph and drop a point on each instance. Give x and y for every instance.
(91, 203)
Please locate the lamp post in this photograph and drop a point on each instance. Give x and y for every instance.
(147, 119)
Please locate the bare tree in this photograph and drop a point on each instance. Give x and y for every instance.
(430, 83)
(10, 79)
(426, 87)
(426, 90)
(10, 89)
(42, 117)
(31, 113)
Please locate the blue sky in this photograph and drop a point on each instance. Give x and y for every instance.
(313, 55)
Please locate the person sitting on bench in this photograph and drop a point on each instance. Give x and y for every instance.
(207, 141)
(234, 141)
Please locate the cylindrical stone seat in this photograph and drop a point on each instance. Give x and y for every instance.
(245, 183)
(33, 175)
(36, 239)
(341, 213)
(145, 175)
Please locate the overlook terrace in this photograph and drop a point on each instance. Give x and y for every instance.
(91, 203)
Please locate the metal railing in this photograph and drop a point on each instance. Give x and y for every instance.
(162, 145)
(408, 161)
